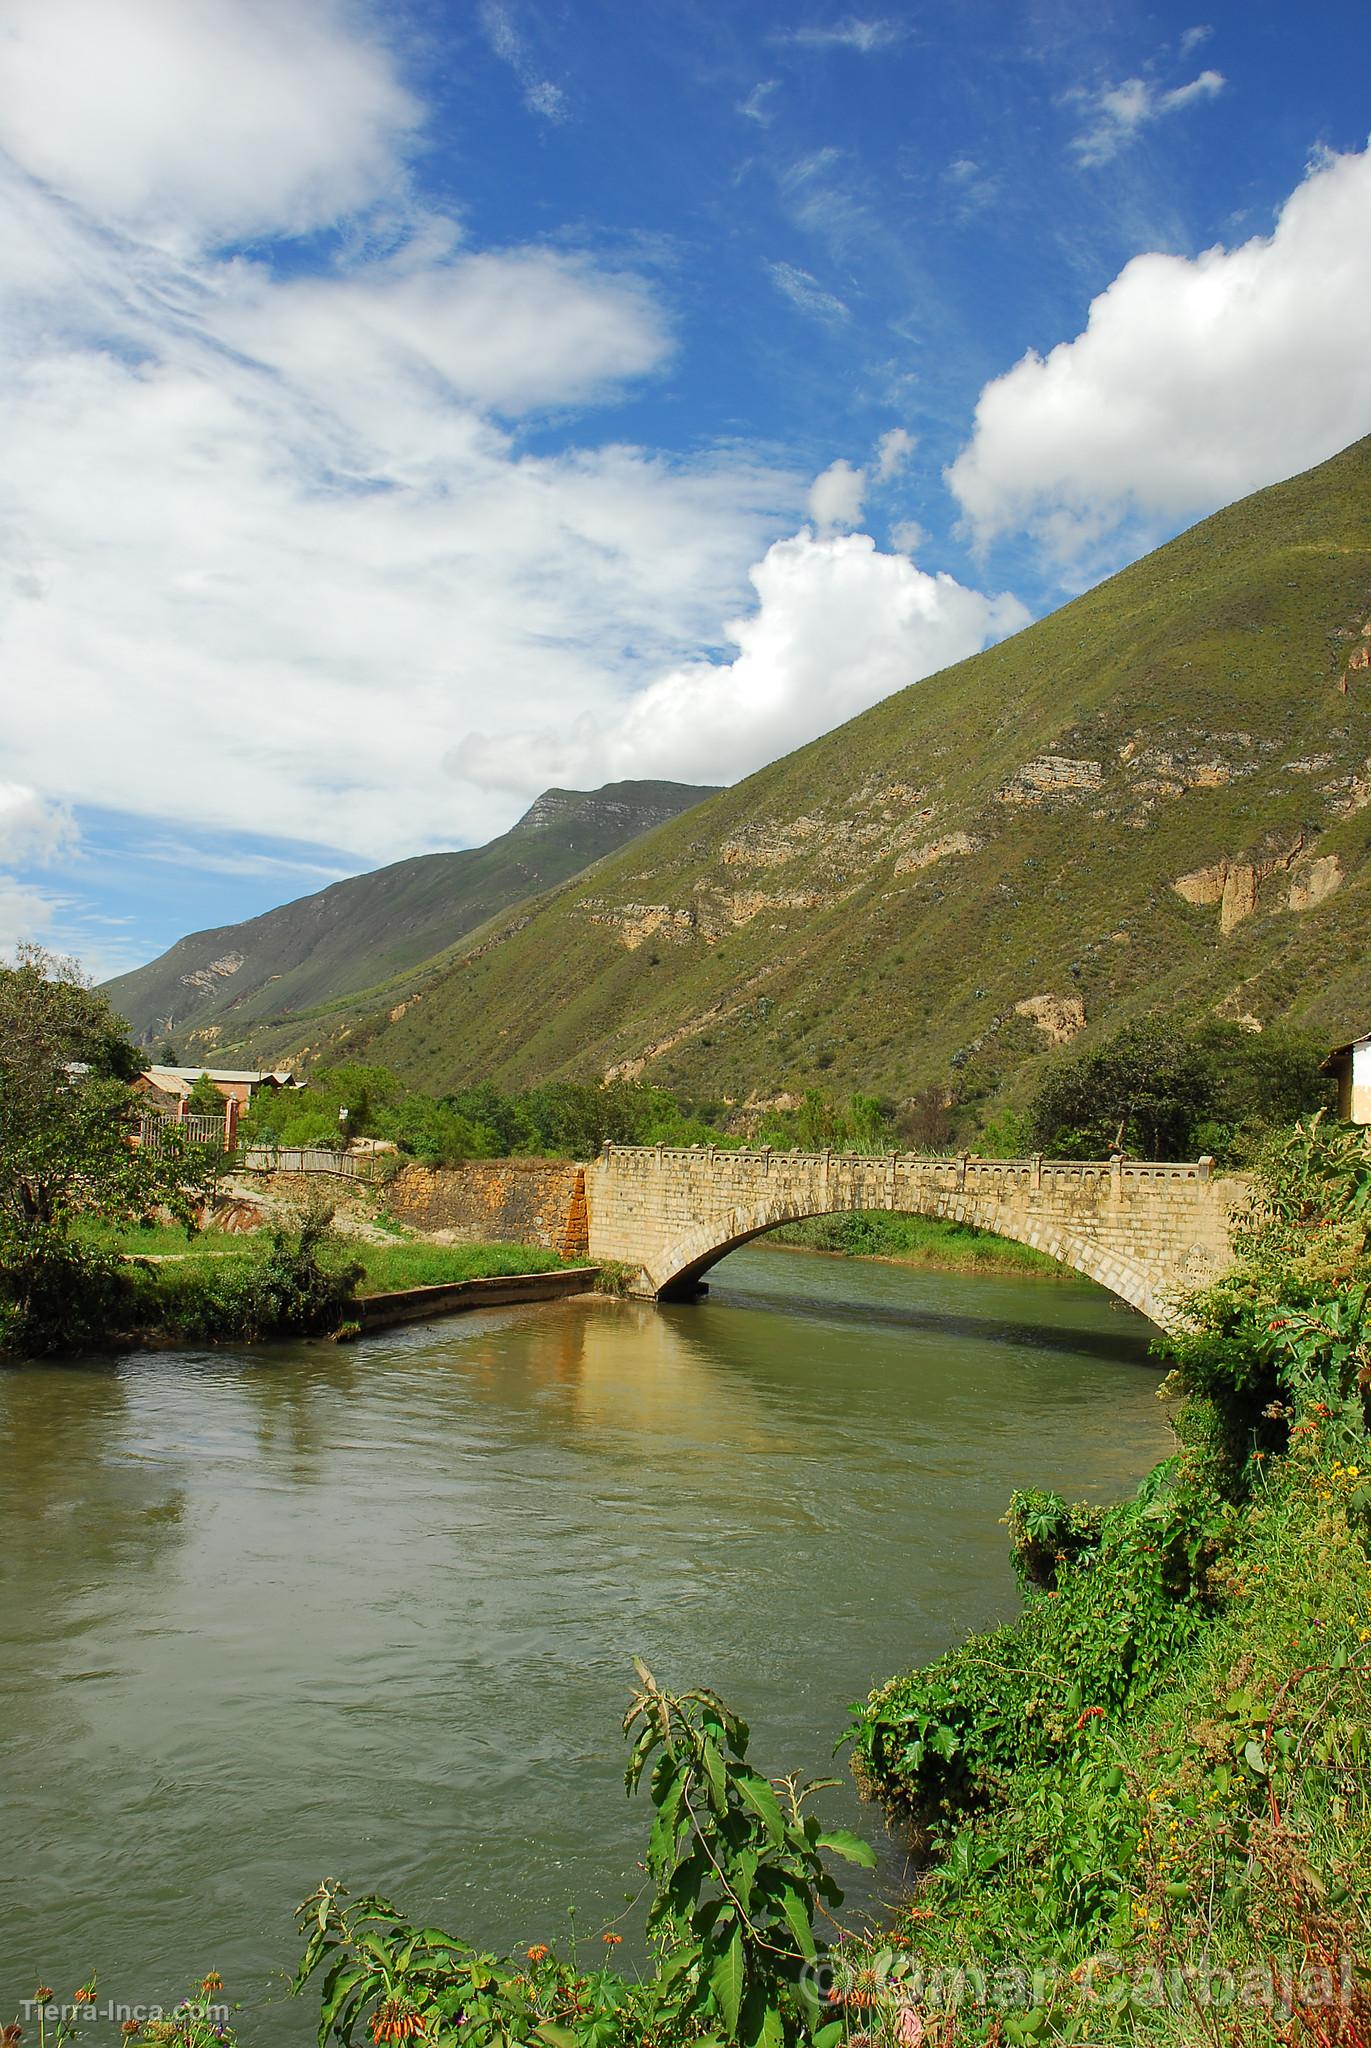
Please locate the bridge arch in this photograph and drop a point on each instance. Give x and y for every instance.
(688, 1260)
(1145, 1230)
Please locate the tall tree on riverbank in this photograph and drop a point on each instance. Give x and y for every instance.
(68, 1124)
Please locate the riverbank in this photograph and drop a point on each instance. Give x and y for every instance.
(108, 1289)
(1143, 1808)
(917, 1241)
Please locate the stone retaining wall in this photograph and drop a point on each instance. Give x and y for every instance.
(495, 1201)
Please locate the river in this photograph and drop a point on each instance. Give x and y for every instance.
(369, 1611)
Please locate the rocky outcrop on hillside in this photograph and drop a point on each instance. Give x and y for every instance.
(1157, 799)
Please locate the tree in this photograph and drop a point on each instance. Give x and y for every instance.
(204, 1098)
(1147, 1090)
(1163, 1090)
(68, 1124)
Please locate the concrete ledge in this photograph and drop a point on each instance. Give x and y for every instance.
(452, 1297)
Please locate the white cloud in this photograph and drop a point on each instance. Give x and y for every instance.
(837, 626)
(836, 495)
(852, 34)
(541, 96)
(506, 330)
(1193, 38)
(893, 451)
(24, 913)
(269, 555)
(907, 536)
(267, 547)
(1195, 380)
(34, 831)
(806, 292)
(196, 121)
(756, 106)
(1119, 112)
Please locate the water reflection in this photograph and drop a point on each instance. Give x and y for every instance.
(370, 1610)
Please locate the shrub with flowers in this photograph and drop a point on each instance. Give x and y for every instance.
(1158, 1780)
(740, 1873)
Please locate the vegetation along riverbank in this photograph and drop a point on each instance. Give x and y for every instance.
(1142, 1809)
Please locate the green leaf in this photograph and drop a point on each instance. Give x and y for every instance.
(713, 1765)
(755, 1792)
(771, 2033)
(560, 2037)
(797, 1919)
(828, 2036)
(843, 1842)
(726, 1982)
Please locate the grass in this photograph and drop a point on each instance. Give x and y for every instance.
(391, 1268)
(1215, 1817)
(918, 1241)
(159, 1240)
(386, 1268)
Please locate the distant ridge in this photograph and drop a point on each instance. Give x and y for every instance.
(1157, 799)
(362, 931)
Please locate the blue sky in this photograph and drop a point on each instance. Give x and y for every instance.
(410, 406)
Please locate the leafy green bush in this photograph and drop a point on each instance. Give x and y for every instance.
(291, 1281)
(1045, 1534)
(1125, 1592)
(204, 1098)
(739, 1873)
(58, 1293)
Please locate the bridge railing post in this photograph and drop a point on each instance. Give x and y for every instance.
(1205, 1165)
(962, 1158)
(1037, 1173)
(1116, 1176)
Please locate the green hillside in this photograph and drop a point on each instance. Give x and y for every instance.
(360, 932)
(1156, 798)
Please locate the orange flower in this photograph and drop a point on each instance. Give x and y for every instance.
(129, 2029)
(611, 1940)
(396, 2021)
(43, 1994)
(211, 1981)
(538, 1953)
(83, 1996)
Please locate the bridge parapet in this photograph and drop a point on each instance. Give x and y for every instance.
(1149, 1230)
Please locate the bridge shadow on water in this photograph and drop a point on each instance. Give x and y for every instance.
(1128, 1346)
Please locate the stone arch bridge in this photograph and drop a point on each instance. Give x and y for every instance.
(1146, 1231)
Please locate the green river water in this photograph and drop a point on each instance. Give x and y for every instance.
(369, 1612)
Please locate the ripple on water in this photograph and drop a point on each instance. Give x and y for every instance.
(370, 1611)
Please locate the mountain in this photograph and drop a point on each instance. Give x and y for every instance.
(1158, 798)
(360, 932)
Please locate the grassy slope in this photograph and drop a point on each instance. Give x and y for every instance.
(357, 933)
(1204, 680)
